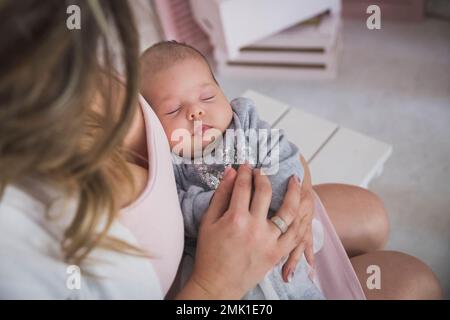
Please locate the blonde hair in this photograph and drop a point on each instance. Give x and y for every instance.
(60, 120)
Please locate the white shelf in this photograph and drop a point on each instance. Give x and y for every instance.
(269, 110)
(349, 157)
(227, 22)
(284, 66)
(335, 154)
(307, 131)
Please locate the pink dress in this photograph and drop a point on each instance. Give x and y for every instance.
(155, 220)
(335, 273)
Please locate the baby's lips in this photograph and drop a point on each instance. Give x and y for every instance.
(201, 129)
(205, 127)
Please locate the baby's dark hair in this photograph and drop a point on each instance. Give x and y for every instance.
(164, 54)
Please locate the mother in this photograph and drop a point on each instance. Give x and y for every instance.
(86, 181)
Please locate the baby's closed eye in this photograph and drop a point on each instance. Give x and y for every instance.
(207, 95)
(208, 98)
(173, 110)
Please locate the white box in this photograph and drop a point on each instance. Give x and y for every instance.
(232, 24)
(349, 157)
(304, 51)
(309, 132)
(283, 66)
(269, 110)
(335, 154)
(320, 33)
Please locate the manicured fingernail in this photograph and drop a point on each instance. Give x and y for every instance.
(227, 171)
(311, 270)
(290, 276)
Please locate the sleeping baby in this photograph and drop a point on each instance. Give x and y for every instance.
(206, 134)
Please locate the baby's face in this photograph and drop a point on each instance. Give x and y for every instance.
(184, 93)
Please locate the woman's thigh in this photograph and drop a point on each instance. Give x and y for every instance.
(358, 216)
(401, 276)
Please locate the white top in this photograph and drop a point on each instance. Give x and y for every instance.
(31, 261)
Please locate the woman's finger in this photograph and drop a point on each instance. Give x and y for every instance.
(309, 252)
(221, 198)
(262, 195)
(306, 205)
(289, 209)
(305, 246)
(295, 234)
(288, 241)
(291, 264)
(242, 190)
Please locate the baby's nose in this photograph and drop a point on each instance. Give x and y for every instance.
(196, 114)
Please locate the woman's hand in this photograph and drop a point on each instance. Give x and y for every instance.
(305, 215)
(237, 244)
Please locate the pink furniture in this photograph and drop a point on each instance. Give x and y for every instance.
(177, 23)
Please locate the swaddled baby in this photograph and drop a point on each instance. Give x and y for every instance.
(206, 134)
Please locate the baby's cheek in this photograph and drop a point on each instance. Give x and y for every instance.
(170, 134)
(175, 138)
(178, 136)
(227, 116)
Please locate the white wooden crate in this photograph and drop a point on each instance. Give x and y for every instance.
(319, 131)
(349, 157)
(309, 42)
(335, 154)
(320, 32)
(270, 110)
(227, 21)
(282, 65)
